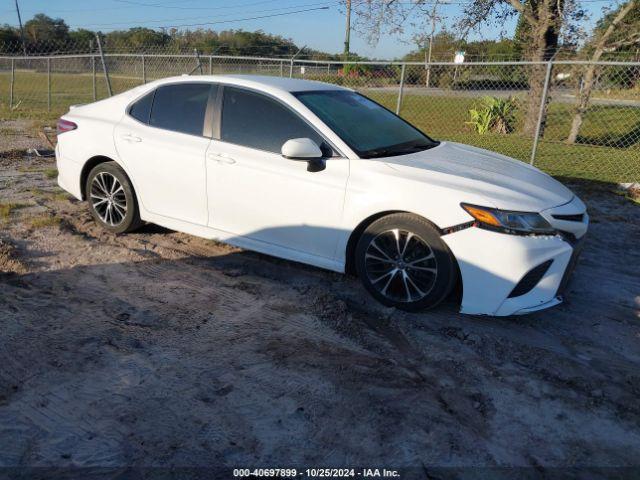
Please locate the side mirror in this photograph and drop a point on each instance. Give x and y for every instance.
(301, 149)
(304, 149)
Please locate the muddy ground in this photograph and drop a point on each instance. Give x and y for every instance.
(158, 349)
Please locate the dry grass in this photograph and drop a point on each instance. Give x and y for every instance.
(29, 169)
(9, 262)
(60, 196)
(50, 173)
(6, 209)
(39, 192)
(43, 221)
(57, 195)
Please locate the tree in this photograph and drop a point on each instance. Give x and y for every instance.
(42, 28)
(9, 38)
(444, 44)
(233, 42)
(137, 38)
(82, 37)
(618, 29)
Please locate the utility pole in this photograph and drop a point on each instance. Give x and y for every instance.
(348, 30)
(428, 53)
(24, 45)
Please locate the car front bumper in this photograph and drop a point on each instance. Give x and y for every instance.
(492, 264)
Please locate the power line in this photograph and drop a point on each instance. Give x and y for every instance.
(247, 18)
(133, 4)
(164, 20)
(157, 5)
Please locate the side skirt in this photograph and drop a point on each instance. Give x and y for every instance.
(243, 242)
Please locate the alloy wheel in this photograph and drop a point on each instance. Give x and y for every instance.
(108, 198)
(401, 266)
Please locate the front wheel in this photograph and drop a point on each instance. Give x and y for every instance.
(402, 261)
(111, 198)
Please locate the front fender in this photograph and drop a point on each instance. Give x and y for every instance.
(373, 189)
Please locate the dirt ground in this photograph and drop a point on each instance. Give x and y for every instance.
(158, 349)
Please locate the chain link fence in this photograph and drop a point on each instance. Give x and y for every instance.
(571, 118)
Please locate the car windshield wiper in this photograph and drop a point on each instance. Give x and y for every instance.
(398, 150)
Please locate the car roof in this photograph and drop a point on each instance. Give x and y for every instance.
(261, 82)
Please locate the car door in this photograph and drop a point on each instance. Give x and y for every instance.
(162, 143)
(255, 192)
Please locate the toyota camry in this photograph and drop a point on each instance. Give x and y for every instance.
(320, 174)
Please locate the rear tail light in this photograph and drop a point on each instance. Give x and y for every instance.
(65, 126)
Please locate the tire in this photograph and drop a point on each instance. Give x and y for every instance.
(403, 263)
(111, 198)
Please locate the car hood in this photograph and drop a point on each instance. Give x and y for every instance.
(507, 183)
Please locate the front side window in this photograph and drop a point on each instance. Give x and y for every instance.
(368, 128)
(257, 121)
(181, 107)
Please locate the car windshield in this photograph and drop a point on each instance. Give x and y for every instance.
(368, 128)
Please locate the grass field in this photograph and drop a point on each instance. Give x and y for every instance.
(608, 149)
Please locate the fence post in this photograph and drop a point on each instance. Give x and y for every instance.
(104, 66)
(13, 80)
(401, 90)
(199, 66)
(49, 83)
(543, 102)
(144, 69)
(281, 68)
(199, 63)
(428, 79)
(210, 65)
(293, 58)
(93, 78)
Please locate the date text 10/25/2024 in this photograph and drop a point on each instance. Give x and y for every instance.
(316, 473)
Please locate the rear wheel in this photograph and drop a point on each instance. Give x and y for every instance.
(111, 198)
(402, 261)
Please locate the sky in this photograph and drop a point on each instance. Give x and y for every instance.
(318, 29)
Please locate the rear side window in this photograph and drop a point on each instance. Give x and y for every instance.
(256, 121)
(181, 107)
(141, 110)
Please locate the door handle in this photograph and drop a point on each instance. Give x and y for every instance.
(221, 158)
(131, 138)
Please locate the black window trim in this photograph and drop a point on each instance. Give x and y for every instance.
(218, 120)
(209, 124)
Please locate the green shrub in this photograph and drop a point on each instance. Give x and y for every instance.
(494, 114)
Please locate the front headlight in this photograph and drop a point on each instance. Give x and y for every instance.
(508, 221)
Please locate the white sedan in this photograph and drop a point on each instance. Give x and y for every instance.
(320, 174)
